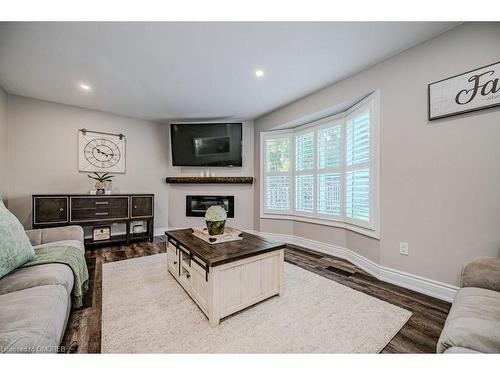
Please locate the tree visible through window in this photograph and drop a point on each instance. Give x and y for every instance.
(278, 178)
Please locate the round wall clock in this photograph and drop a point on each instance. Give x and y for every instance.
(100, 152)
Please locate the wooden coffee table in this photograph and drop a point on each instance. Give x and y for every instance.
(225, 278)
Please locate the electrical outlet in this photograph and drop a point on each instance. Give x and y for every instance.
(403, 248)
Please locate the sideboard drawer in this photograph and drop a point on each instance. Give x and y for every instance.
(98, 202)
(141, 206)
(98, 208)
(50, 210)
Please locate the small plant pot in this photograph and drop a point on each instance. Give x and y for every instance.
(216, 227)
(100, 185)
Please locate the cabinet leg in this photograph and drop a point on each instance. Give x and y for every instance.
(127, 223)
(151, 230)
(213, 298)
(281, 277)
(213, 322)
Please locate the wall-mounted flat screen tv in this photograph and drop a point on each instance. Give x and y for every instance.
(206, 145)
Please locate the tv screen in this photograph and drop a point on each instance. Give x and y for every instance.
(210, 145)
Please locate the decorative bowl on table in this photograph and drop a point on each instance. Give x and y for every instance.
(215, 217)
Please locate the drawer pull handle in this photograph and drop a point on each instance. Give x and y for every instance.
(61, 209)
(135, 206)
(101, 202)
(101, 214)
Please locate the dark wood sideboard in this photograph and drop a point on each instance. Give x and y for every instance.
(119, 212)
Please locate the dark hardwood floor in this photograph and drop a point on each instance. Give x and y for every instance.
(419, 334)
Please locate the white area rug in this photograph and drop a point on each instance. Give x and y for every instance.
(144, 310)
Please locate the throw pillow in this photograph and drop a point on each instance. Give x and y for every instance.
(15, 247)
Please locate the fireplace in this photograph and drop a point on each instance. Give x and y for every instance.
(197, 205)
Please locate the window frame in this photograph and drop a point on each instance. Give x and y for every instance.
(369, 228)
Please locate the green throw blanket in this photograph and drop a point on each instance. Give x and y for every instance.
(73, 258)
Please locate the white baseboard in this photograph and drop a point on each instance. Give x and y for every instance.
(160, 231)
(437, 289)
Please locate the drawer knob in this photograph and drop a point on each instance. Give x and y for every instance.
(61, 209)
(175, 263)
(188, 275)
(135, 206)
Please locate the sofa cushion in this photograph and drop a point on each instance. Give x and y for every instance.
(46, 235)
(473, 322)
(44, 274)
(460, 350)
(15, 247)
(33, 320)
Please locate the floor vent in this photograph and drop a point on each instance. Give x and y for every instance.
(339, 271)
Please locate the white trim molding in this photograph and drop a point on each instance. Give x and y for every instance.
(437, 289)
(160, 231)
(320, 221)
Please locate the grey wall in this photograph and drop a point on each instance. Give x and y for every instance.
(243, 194)
(3, 144)
(439, 181)
(43, 154)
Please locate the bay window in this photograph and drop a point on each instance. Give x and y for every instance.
(325, 172)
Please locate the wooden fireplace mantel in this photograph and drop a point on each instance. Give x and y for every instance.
(209, 180)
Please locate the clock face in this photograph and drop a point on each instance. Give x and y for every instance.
(99, 152)
(102, 153)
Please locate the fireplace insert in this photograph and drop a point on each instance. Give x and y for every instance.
(197, 205)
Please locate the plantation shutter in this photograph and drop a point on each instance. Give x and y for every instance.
(304, 152)
(358, 166)
(329, 140)
(329, 147)
(304, 172)
(277, 178)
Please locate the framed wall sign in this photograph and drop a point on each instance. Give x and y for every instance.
(101, 152)
(466, 92)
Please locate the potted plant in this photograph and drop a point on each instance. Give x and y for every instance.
(101, 181)
(215, 218)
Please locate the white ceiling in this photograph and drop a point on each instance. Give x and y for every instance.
(193, 71)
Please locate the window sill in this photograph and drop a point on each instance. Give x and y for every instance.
(330, 223)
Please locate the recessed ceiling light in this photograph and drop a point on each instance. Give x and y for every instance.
(84, 87)
(259, 73)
